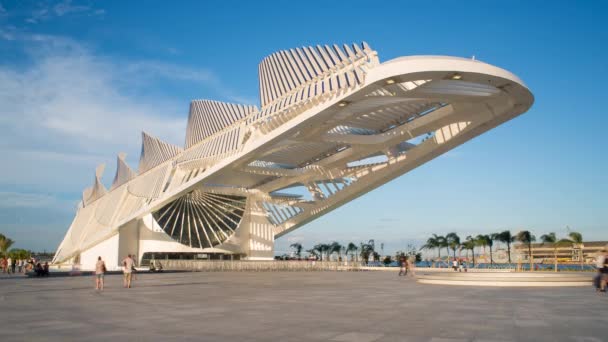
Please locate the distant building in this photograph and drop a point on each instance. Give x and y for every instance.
(569, 253)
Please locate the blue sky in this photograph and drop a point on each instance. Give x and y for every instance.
(79, 81)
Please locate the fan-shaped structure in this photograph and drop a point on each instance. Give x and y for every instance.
(200, 219)
(334, 124)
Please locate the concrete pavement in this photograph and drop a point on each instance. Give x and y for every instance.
(293, 306)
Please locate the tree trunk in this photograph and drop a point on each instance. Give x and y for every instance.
(491, 260)
(509, 251)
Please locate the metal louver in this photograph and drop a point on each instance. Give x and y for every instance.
(201, 219)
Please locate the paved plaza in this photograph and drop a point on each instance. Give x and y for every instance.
(296, 306)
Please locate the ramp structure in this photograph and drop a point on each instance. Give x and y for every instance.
(334, 123)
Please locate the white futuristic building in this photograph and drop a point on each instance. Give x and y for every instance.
(334, 123)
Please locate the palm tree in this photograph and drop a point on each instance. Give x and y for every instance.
(5, 244)
(352, 248)
(335, 247)
(298, 247)
(432, 243)
(552, 239)
(490, 240)
(372, 243)
(367, 250)
(443, 243)
(507, 238)
(577, 239)
(313, 252)
(321, 248)
(453, 241)
(482, 241)
(470, 244)
(327, 250)
(527, 238)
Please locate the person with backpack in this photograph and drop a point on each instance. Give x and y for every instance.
(100, 270)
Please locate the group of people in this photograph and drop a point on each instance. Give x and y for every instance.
(406, 266)
(459, 265)
(14, 266)
(156, 266)
(128, 267)
(601, 279)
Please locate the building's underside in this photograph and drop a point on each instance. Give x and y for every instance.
(334, 123)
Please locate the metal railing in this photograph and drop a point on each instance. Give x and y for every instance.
(259, 266)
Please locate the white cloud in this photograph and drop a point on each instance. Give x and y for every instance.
(173, 51)
(71, 109)
(66, 7)
(26, 200)
(73, 99)
(45, 11)
(65, 109)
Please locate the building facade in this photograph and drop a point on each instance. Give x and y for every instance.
(334, 123)
(565, 253)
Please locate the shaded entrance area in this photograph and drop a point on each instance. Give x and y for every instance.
(163, 256)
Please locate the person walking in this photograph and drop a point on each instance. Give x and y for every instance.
(127, 269)
(20, 265)
(9, 263)
(411, 266)
(402, 263)
(455, 265)
(100, 270)
(3, 264)
(604, 273)
(599, 264)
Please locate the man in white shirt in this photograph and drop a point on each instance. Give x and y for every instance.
(127, 269)
(9, 263)
(601, 258)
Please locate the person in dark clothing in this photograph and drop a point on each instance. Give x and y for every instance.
(38, 270)
(402, 265)
(604, 274)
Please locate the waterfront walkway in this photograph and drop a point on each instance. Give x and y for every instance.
(293, 306)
